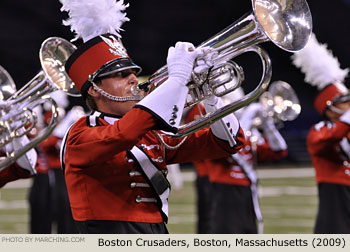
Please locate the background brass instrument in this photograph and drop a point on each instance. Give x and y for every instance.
(286, 23)
(17, 118)
(280, 103)
(7, 85)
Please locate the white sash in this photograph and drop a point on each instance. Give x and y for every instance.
(155, 177)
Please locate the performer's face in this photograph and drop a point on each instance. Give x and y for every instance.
(117, 84)
(343, 106)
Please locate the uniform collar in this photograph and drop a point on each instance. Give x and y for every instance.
(109, 118)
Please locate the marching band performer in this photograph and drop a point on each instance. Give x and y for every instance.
(114, 160)
(328, 140)
(24, 167)
(204, 196)
(202, 183)
(233, 205)
(48, 198)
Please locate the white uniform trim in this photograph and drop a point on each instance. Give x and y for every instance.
(151, 172)
(345, 117)
(166, 103)
(93, 118)
(226, 128)
(63, 148)
(345, 147)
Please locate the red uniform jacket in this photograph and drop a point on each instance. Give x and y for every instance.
(229, 171)
(328, 145)
(101, 177)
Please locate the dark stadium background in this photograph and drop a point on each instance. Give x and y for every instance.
(157, 24)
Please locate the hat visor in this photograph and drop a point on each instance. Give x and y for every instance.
(340, 99)
(117, 65)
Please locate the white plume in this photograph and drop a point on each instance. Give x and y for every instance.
(318, 64)
(91, 18)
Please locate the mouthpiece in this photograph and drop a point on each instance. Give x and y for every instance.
(144, 85)
(135, 90)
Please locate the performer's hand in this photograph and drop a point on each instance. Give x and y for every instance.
(273, 136)
(202, 64)
(248, 115)
(253, 110)
(268, 124)
(3, 104)
(29, 159)
(211, 101)
(181, 60)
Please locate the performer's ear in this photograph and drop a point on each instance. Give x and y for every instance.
(91, 91)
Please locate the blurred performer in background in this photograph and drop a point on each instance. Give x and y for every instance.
(115, 159)
(203, 203)
(328, 140)
(24, 167)
(202, 184)
(48, 198)
(233, 205)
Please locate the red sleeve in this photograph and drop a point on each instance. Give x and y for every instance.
(201, 145)
(51, 148)
(49, 145)
(12, 173)
(92, 145)
(193, 113)
(266, 154)
(321, 138)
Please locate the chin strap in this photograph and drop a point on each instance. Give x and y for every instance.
(116, 98)
(336, 110)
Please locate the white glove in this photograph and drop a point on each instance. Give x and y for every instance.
(211, 101)
(175, 177)
(167, 101)
(273, 136)
(26, 161)
(205, 62)
(3, 104)
(249, 114)
(29, 159)
(181, 60)
(268, 124)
